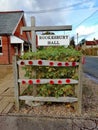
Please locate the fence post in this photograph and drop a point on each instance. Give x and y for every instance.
(16, 84)
(80, 87)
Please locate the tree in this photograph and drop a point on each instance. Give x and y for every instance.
(82, 42)
(72, 42)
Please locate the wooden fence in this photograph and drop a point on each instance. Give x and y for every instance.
(91, 51)
(78, 83)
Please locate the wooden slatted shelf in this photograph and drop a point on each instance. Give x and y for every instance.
(78, 90)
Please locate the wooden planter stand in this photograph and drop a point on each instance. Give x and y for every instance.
(78, 83)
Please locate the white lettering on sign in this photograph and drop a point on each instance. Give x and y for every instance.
(53, 40)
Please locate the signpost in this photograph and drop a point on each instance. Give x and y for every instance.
(33, 29)
(47, 40)
(57, 39)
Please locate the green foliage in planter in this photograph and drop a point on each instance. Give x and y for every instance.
(55, 90)
(56, 54)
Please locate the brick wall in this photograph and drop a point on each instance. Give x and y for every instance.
(7, 51)
(4, 57)
(18, 30)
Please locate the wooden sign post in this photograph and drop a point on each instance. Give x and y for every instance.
(35, 62)
(33, 29)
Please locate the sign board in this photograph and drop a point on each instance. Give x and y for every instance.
(53, 40)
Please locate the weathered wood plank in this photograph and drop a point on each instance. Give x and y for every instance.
(50, 81)
(47, 28)
(3, 89)
(79, 93)
(9, 92)
(47, 63)
(9, 99)
(46, 99)
(1, 98)
(16, 85)
(8, 108)
(6, 103)
(3, 104)
(78, 89)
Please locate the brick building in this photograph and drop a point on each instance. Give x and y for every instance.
(11, 39)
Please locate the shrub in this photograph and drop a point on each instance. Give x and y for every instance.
(47, 72)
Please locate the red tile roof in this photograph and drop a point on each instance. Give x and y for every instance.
(89, 43)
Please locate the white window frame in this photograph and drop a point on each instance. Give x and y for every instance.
(1, 45)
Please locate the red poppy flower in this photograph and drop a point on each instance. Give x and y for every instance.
(66, 64)
(30, 82)
(51, 82)
(40, 62)
(59, 64)
(59, 81)
(23, 82)
(30, 62)
(73, 63)
(38, 81)
(67, 80)
(51, 63)
(22, 63)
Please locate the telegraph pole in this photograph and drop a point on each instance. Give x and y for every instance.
(77, 38)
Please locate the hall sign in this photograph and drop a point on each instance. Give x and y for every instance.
(53, 40)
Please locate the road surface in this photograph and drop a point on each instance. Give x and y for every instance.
(91, 66)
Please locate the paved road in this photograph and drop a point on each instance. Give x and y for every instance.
(91, 66)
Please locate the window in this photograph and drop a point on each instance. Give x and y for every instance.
(0, 45)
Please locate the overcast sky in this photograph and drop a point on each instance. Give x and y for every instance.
(81, 14)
